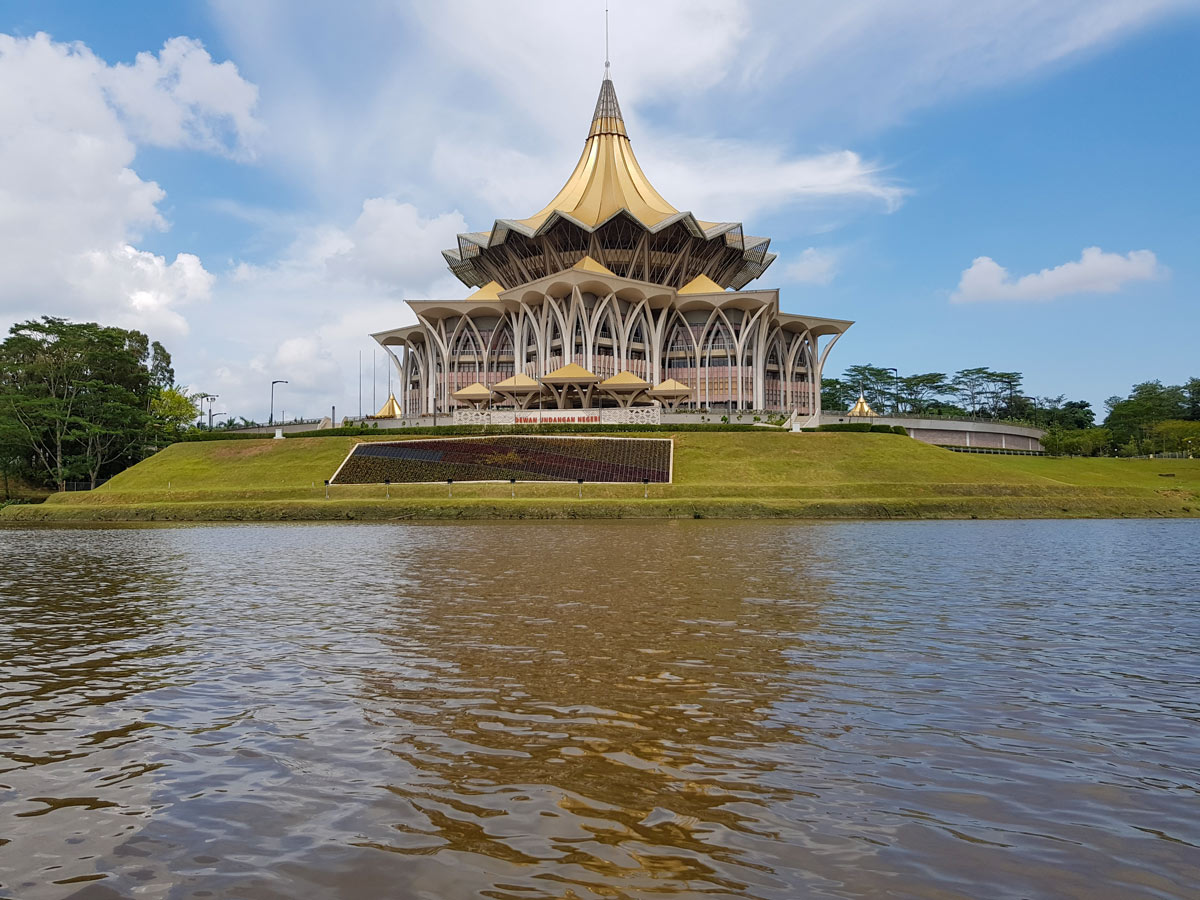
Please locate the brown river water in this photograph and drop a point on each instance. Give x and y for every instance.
(601, 710)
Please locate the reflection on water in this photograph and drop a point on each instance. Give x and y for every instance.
(601, 710)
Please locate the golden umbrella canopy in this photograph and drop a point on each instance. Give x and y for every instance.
(389, 410)
(571, 373)
(472, 392)
(862, 408)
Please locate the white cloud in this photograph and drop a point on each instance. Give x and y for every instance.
(1095, 272)
(180, 98)
(74, 209)
(869, 64)
(306, 316)
(814, 266)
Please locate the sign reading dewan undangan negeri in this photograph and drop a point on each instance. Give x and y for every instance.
(557, 417)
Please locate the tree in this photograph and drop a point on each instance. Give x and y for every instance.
(14, 451)
(78, 394)
(970, 386)
(1130, 418)
(1191, 394)
(875, 383)
(918, 392)
(171, 411)
(1002, 390)
(837, 394)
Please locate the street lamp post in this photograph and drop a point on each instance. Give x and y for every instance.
(211, 398)
(271, 420)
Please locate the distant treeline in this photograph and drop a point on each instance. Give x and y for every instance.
(1154, 418)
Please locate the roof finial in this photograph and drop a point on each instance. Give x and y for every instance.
(606, 62)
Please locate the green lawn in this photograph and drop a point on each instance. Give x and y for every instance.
(763, 473)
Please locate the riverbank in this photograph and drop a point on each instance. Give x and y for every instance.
(716, 475)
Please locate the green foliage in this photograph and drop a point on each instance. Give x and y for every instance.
(1078, 441)
(1133, 419)
(900, 430)
(846, 426)
(222, 435)
(882, 429)
(837, 393)
(171, 411)
(877, 384)
(76, 399)
(1175, 435)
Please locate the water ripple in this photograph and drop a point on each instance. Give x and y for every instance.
(601, 710)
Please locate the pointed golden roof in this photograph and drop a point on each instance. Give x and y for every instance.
(862, 408)
(474, 391)
(587, 264)
(625, 381)
(518, 384)
(701, 284)
(608, 183)
(490, 291)
(607, 177)
(670, 388)
(571, 373)
(389, 410)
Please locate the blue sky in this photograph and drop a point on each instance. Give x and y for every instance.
(262, 194)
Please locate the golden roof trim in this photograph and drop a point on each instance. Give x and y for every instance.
(490, 291)
(625, 380)
(862, 407)
(587, 264)
(517, 383)
(389, 410)
(669, 387)
(571, 373)
(475, 391)
(701, 284)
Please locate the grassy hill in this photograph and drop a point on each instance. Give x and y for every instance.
(742, 474)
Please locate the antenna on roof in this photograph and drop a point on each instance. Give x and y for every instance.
(606, 62)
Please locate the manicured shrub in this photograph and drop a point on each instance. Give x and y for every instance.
(900, 429)
(882, 429)
(846, 426)
(224, 436)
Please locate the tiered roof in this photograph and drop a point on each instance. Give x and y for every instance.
(603, 212)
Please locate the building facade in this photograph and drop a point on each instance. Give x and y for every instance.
(610, 279)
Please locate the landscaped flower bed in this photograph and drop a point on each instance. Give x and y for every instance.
(525, 458)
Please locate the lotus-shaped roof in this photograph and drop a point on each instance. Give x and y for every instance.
(607, 185)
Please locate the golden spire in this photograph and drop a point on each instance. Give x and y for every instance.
(607, 177)
(861, 407)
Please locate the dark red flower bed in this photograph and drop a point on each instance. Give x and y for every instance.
(504, 457)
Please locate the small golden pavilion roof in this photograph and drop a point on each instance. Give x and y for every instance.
(862, 408)
(587, 264)
(624, 381)
(670, 388)
(389, 410)
(571, 373)
(490, 291)
(518, 384)
(474, 391)
(702, 284)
